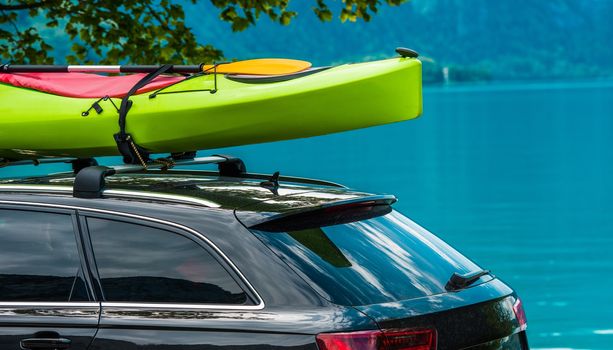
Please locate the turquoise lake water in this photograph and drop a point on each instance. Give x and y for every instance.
(517, 177)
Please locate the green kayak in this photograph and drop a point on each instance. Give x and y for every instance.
(245, 109)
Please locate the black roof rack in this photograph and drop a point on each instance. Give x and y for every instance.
(90, 177)
(90, 183)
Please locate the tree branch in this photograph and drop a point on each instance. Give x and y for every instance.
(155, 15)
(23, 6)
(12, 22)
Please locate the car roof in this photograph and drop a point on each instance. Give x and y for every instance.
(199, 188)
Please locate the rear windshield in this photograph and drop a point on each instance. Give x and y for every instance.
(378, 260)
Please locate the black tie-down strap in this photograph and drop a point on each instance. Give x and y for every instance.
(131, 152)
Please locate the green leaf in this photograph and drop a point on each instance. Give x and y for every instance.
(143, 31)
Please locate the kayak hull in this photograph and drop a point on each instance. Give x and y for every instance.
(35, 124)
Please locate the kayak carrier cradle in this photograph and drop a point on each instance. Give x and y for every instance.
(90, 177)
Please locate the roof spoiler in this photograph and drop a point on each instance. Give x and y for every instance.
(332, 213)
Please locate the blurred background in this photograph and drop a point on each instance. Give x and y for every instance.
(512, 160)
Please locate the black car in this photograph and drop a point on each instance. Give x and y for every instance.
(122, 258)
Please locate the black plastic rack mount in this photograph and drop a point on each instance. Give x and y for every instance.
(90, 181)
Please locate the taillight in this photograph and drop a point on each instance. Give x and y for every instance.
(520, 314)
(402, 339)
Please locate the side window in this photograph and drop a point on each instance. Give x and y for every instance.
(144, 264)
(39, 260)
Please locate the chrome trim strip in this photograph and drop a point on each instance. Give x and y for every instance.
(113, 193)
(48, 304)
(36, 188)
(260, 302)
(127, 305)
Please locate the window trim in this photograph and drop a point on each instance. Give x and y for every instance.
(206, 247)
(80, 211)
(59, 304)
(76, 230)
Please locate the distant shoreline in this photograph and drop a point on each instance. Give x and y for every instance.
(504, 85)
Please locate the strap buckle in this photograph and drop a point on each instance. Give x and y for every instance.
(131, 152)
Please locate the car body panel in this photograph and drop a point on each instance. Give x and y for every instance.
(475, 315)
(278, 328)
(292, 312)
(220, 226)
(77, 322)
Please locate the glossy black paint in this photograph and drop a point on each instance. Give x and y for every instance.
(211, 329)
(472, 316)
(76, 323)
(292, 312)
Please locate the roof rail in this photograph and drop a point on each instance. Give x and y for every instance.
(90, 181)
(90, 177)
(258, 176)
(77, 163)
(113, 193)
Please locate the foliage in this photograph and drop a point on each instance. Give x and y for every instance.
(474, 40)
(138, 31)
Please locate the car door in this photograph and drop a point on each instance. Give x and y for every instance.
(168, 288)
(45, 301)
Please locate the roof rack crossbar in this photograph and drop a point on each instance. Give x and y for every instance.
(232, 166)
(132, 168)
(5, 163)
(90, 181)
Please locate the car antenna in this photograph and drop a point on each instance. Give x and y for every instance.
(272, 184)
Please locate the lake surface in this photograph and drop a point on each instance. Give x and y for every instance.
(517, 177)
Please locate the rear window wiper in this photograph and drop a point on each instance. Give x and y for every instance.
(457, 281)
